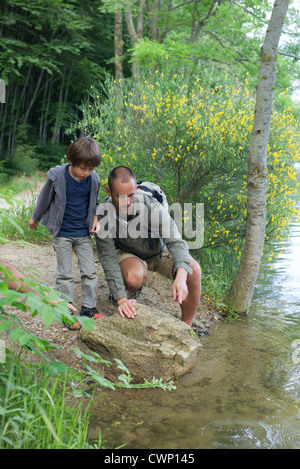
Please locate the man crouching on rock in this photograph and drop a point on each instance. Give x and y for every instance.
(136, 235)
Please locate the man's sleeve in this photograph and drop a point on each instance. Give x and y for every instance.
(106, 249)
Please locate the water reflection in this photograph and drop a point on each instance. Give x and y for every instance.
(243, 393)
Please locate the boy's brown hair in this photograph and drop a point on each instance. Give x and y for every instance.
(84, 151)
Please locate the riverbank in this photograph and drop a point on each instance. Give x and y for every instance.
(39, 262)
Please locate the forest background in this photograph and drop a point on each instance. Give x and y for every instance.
(166, 87)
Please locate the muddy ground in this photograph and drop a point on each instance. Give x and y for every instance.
(39, 262)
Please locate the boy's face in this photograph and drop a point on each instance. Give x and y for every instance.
(80, 172)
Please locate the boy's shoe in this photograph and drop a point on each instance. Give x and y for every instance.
(72, 327)
(90, 312)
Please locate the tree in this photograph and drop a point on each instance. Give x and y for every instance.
(241, 291)
(50, 54)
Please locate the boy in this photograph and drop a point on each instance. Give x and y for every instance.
(68, 203)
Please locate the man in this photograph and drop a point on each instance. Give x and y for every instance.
(136, 235)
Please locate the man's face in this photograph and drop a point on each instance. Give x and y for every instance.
(122, 195)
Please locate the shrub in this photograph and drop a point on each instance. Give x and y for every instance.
(193, 140)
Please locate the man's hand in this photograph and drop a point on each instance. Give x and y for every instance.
(33, 224)
(179, 287)
(96, 227)
(126, 307)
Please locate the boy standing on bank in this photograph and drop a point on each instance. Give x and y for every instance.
(67, 203)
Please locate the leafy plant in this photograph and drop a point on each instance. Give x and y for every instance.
(124, 379)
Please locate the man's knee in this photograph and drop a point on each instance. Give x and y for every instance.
(195, 277)
(134, 274)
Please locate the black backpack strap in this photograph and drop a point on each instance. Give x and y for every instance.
(154, 193)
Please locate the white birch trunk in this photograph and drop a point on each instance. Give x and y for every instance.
(241, 291)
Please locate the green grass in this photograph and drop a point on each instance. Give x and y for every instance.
(35, 413)
(16, 184)
(14, 220)
(16, 226)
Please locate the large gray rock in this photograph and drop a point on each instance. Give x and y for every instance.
(152, 345)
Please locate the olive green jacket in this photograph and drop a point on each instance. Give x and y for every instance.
(150, 231)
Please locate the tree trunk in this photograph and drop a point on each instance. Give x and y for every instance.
(241, 291)
(135, 34)
(154, 20)
(118, 43)
(56, 127)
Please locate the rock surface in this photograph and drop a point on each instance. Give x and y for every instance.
(152, 345)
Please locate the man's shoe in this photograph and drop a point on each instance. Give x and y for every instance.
(111, 298)
(131, 295)
(134, 295)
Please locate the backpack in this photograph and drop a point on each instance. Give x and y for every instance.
(153, 190)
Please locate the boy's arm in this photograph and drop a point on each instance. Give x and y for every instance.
(42, 205)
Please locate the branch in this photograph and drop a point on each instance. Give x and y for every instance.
(289, 55)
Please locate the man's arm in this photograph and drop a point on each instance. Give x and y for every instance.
(108, 258)
(180, 253)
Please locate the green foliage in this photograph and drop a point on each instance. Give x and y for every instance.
(50, 53)
(34, 413)
(124, 379)
(42, 301)
(15, 222)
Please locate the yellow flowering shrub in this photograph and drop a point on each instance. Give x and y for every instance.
(193, 140)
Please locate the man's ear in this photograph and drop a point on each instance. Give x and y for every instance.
(108, 191)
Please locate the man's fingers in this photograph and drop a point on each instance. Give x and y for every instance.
(127, 308)
(174, 292)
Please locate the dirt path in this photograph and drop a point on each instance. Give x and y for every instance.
(39, 262)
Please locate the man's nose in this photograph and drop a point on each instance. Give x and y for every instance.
(124, 201)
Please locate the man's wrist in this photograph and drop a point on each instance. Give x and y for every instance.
(181, 272)
(122, 300)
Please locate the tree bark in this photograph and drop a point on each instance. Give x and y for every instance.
(135, 34)
(118, 44)
(241, 291)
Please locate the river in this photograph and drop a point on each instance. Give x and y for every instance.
(243, 393)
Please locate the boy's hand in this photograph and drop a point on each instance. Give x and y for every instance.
(96, 226)
(33, 224)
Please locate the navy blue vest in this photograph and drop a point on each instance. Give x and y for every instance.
(78, 197)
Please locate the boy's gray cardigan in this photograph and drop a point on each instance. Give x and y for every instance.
(51, 202)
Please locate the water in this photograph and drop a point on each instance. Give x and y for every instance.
(243, 393)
